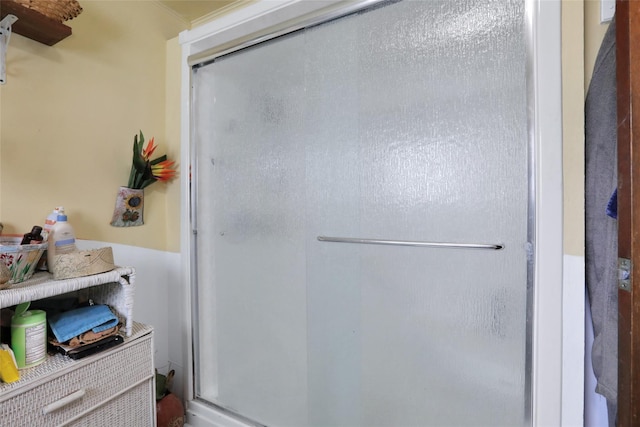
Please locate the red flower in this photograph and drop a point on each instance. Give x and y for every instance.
(162, 171)
(149, 149)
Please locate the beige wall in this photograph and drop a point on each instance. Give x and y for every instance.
(69, 114)
(573, 31)
(582, 34)
(172, 113)
(593, 35)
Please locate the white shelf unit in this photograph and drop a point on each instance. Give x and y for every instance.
(115, 387)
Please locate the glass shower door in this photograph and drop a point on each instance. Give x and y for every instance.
(406, 124)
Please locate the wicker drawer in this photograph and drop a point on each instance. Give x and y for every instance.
(78, 389)
(124, 410)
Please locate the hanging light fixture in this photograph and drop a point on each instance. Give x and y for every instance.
(5, 35)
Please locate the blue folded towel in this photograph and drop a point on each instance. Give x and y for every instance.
(72, 323)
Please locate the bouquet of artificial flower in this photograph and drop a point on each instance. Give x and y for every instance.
(145, 171)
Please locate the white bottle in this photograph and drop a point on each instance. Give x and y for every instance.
(62, 240)
(46, 230)
(51, 220)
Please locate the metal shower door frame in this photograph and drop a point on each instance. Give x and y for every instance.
(264, 20)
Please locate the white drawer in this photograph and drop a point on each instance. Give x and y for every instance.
(131, 409)
(82, 386)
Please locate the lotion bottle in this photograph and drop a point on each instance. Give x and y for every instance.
(51, 220)
(62, 240)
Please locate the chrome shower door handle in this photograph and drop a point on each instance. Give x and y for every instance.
(491, 246)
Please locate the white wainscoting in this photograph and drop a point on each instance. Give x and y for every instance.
(157, 302)
(573, 341)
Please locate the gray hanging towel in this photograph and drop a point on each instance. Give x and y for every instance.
(601, 230)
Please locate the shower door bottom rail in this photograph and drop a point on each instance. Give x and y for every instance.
(490, 246)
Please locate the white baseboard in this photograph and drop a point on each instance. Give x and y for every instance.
(200, 415)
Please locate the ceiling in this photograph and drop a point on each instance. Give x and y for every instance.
(194, 9)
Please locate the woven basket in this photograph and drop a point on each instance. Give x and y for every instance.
(58, 10)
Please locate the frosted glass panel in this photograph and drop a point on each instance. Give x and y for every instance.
(406, 122)
(251, 232)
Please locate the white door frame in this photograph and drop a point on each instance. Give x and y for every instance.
(251, 23)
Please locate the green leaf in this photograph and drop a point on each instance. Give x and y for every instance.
(138, 160)
(147, 182)
(138, 164)
(159, 159)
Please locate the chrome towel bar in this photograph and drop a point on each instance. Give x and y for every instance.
(410, 243)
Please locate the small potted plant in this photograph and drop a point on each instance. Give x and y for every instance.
(169, 408)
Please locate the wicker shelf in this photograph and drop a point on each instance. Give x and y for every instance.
(115, 288)
(34, 25)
